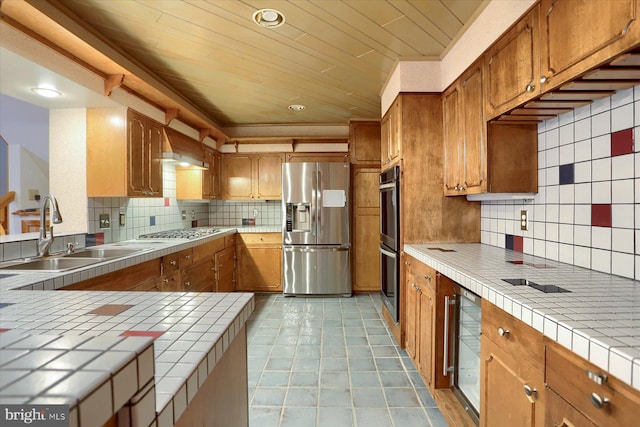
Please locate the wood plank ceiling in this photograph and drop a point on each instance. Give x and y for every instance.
(332, 56)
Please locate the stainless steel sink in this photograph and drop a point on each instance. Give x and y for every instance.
(52, 264)
(103, 253)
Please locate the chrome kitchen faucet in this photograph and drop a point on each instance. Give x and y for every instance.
(44, 242)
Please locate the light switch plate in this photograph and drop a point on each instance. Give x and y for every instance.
(122, 220)
(104, 221)
(524, 220)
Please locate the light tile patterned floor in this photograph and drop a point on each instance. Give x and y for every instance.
(331, 362)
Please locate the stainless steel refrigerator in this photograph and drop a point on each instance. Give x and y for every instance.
(315, 229)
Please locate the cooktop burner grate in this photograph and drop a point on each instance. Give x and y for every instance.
(547, 289)
(181, 233)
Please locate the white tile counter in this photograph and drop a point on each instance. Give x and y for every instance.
(599, 319)
(151, 349)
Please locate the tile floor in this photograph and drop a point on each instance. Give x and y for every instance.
(331, 362)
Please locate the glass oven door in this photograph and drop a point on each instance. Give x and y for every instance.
(390, 208)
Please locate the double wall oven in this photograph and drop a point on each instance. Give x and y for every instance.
(390, 240)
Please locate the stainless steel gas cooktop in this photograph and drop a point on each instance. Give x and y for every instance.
(181, 233)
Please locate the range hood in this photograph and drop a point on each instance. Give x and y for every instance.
(180, 148)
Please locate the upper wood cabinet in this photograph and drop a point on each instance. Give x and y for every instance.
(211, 177)
(578, 35)
(253, 176)
(513, 66)
(132, 144)
(364, 142)
(465, 144)
(198, 184)
(391, 135)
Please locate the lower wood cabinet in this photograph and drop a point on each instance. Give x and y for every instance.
(259, 262)
(225, 267)
(139, 277)
(199, 277)
(512, 371)
(585, 395)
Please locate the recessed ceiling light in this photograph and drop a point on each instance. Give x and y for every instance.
(268, 18)
(46, 92)
(296, 107)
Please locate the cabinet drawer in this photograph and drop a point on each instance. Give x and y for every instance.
(229, 240)
(568, 375)
(425, 275)
(517, 337)
(261, 238)
(170, 262)
(185, 258)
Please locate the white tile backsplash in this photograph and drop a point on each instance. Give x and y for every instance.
(560, 215)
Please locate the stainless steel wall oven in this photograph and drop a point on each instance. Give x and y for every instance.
(390, 240)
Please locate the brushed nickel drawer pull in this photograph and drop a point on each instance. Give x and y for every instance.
(531, 392)
(599, 402)
(503, 332)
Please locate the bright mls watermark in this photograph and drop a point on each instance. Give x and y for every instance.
(34, 415)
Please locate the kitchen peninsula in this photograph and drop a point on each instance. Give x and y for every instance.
(125, 358)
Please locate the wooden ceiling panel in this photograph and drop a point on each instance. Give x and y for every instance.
(333, 56)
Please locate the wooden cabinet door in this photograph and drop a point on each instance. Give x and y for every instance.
(136, 150)
(215, 172)
(364, 143)
(268, 179)
(153, 159)
(259, 265)
(171, 282)
(395, 131)
(503, 401)
(513, 66)
(336, 157)
(199, 277)
(474, 179)
(225, 269)
(411, 312)
(425, 342)
(385, 136)
(238, 176)
(559, 413)
(580, 34)
(452, 137)
(207, 180)
(366, 229)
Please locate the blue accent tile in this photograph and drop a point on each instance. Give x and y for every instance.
(508, 241)
(90, 240)
(6, 304)
(566, 174)
(152, 220)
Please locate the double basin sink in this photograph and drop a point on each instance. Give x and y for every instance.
(71, 261)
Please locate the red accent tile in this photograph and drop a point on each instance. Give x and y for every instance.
(99, 238)
(4, 330)
(110, 309)
(518, 243)
(516, 262)
(622, 142)
(601, 215)
(152, 334)
(166, 201)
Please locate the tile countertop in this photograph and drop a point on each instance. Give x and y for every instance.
(151, 348)
(599, 319)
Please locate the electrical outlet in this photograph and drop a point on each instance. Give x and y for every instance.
(33, 194)
(184, 214)
(104, 221)
(122, 219)
(524, 220)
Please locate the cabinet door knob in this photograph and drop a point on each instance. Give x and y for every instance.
(530, 88)
(187, 257)
(427, 276)
(599, 402)
(173, 262)
(531, 392)
(503, 332)
(166, 280)
(187, 284)
(544, 79)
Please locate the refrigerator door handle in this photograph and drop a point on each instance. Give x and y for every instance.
(388, 253)
(340, 248)
(318, 198)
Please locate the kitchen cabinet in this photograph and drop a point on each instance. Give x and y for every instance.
(420, 317)
(364, 143)
(132, 143)
(585, 395)
(512, 66)
(253, 176)
(391, 128)
(145, 275)
(199, 277)
(512, 371)
(259, 262)
(464, 132)
(317, 157)
(365, 229)
(572, 46)
(225, 269)
(198, 184)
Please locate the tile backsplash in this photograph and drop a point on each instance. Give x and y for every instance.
(587, 210)
(231, 213)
